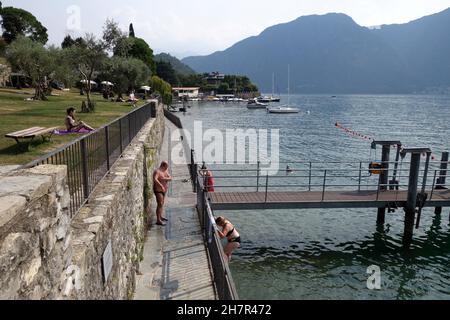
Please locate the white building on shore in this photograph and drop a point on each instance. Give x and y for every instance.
(190, 92)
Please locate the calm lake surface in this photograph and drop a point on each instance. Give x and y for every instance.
(324, 254)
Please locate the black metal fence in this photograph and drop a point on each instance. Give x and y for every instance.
(89, 158)
(223, 280)
(173, 118)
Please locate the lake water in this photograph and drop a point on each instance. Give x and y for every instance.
(324, 254)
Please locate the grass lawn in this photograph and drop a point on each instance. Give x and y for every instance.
(17, 114)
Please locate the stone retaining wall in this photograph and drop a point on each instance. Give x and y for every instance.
(44, 255)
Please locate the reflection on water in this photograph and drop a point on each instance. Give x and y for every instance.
(324, 254)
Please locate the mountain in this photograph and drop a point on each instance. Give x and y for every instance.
(332, 54)
(424, 47)
(178, 66)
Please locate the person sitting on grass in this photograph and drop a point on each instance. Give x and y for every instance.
(133, 98)
(73, 125)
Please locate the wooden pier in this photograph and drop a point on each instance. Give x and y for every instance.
(384, 185)
(318, 200)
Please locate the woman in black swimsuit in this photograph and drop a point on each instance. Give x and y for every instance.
(229, 232)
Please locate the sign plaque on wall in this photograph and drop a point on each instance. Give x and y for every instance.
(107, 262)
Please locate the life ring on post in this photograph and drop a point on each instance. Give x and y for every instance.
(375, 168)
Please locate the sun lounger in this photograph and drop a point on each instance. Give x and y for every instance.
(29, 134)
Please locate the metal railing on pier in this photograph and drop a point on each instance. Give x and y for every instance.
(223, 279)
(323, 177)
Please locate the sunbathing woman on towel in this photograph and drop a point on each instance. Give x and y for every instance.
(76, 126)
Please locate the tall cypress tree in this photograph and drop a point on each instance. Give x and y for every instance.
(132, 35)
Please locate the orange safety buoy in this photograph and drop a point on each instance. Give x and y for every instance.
(375, 168)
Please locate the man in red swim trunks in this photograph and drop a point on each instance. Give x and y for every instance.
(161, 179)
(209, 179)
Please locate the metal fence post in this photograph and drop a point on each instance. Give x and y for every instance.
(129, 128)
(432, 188)
(324, 185)
(84, 166)
(108, 164)
(257, 176)
(378, 189)
(443, 170)
(310, 176)
(267, 187)
(360, 176)
(120, 134)
(195, 176)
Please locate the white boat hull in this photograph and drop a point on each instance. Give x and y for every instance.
(283, 110)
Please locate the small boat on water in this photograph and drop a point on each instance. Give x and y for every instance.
(283, 109)
(238, 100)
(286, 108)
(177, 109)
(255, 104)
(268, 99)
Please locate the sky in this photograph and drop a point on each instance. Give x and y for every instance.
(199, 27)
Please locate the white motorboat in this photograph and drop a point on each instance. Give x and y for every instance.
(283, 109)
(255, 104)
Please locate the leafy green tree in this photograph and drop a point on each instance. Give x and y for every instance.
(165, 71)
(18, 22)
(67, 42)
(193, 80)
(224, 88)
(87, 59)
(136, 48)
(163, 88)
(126, 74)
(112, 35)
(123, 47)
(63, 70)
(35, 61)
(132, 34)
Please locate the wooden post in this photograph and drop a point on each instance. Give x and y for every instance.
(410, 209)
(423, 195)
(384, 177)
(442, 175)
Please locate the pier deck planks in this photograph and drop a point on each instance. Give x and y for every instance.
(313, 199)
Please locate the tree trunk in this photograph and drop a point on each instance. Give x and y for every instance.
(88, 106)
(39, 93)
(88, 97)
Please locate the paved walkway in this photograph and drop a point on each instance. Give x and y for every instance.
(176, 265)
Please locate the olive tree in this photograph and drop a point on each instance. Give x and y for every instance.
(114, 38)
(126, 74)
(35, 61)
(87, 58)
